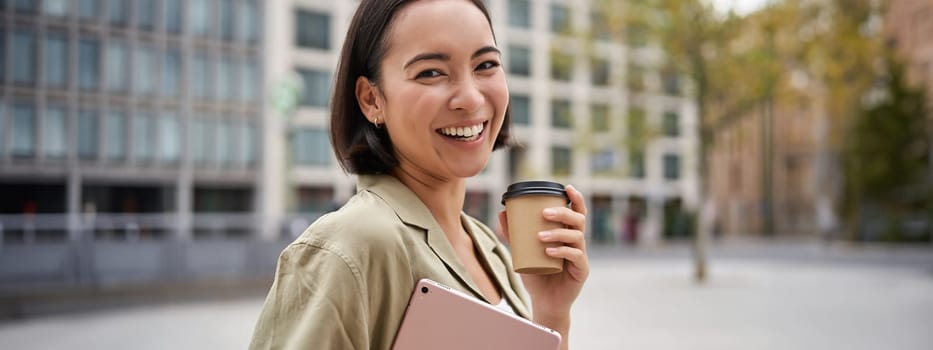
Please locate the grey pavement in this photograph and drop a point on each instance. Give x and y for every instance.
(759, 296)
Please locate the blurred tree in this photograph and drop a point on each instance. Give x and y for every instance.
(886, 159)
(821, 53)
(693, 38)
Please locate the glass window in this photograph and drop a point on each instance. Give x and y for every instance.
(168, 138)
(600, 26)
(671, 81)
(312, 29)
(560, 18)
(54, 128)
(24, 6)
(202, 135)
(248, 21)
(226, 77)
(229, 156)
(637, 164)
(115, 136)
(2, 56)
(599, 71)
(311, 146)
(520, 13)
(171, 72)
(117, 67)
(24, 56)
(561, 116)
(226, 19)
(599, 114)
(88, 9)
(118, 12)
(144, 82)
(671, 124)
(87, 134)
(144, 137)
(89, 64)
(145, 13)
(671, 167)
(248, 143)
(221, 140)
(636, 35)
(58, 8)
(561, 66)
(173, 16)
(24, 130)
(3, 128)
(635, 80)
(317, 87)
(521, 109)
(561, 160)
(249, 80)
(199, 77)
(603, 162)
(55, 59)
(199, 17)
(519, 60)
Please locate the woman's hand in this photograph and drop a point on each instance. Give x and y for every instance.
(552, 295)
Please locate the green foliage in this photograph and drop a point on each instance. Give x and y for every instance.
(887, 158)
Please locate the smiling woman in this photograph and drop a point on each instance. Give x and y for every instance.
(419, 105)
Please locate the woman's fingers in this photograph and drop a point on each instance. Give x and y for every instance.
(573, 238)
(577, 202)
(575, 216)
(565, 216)
(578, 266)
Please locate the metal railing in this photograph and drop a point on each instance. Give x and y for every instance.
(86, 250)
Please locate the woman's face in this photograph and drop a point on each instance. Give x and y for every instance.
(442, 93)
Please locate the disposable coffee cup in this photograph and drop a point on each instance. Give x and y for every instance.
(524, 205)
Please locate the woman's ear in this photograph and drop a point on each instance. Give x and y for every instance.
(369, 99)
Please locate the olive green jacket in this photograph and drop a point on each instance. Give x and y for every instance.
(345, 282)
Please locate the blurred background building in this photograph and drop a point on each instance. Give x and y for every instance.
(152, 140)
(775, 170)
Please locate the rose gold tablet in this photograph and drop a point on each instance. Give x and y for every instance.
(439, 317)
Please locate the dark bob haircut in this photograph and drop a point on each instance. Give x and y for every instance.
(361, 148)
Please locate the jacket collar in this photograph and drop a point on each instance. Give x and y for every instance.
(412, 211)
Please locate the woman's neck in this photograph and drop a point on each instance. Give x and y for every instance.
(442, 197)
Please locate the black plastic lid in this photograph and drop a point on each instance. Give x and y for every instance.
(536, 188)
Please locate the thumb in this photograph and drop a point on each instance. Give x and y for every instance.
(503, 231)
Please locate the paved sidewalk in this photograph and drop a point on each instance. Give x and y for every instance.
(757, 298)
(754, 304)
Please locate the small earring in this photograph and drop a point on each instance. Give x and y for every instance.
(376, 122)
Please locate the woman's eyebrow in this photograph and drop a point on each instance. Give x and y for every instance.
(485, 50)
(445, 57)
(428, 56)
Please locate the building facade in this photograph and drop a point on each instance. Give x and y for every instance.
(129, 119)
(132, 120)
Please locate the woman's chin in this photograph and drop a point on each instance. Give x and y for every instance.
(467, 170)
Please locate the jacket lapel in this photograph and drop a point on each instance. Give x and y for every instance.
(498, 259)
(412, 211)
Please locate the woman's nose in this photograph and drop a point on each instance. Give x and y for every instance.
(467, 96)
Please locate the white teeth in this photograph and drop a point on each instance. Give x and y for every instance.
(465, 132)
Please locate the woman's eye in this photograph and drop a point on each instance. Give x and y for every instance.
(429, 73)
(487, 65)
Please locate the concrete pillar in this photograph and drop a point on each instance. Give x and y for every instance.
(73, 206)
(183, 209)
(654, 221)
(619, 209)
